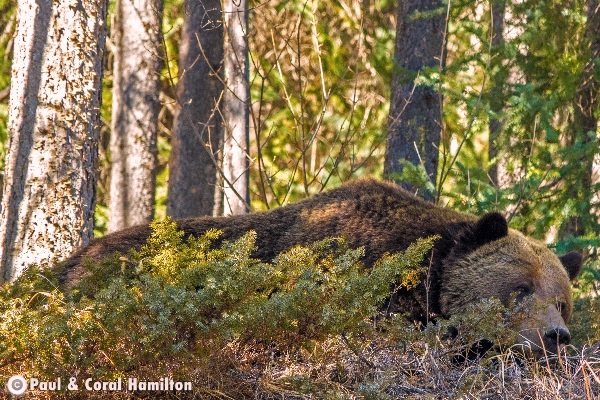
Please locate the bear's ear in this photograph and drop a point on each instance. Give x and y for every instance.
(572, 262)
(468, 236)
(490, 227)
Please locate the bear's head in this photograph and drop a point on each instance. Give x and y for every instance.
(488, 260)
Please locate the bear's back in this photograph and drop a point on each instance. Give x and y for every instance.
(380, 216)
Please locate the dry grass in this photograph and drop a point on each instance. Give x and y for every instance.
(375, 368)
(379, 368)
(422, 371)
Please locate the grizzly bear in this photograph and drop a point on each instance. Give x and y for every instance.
(473, 259)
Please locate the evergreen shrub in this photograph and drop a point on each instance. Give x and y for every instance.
(183, 302)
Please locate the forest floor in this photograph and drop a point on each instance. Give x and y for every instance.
(419, 371)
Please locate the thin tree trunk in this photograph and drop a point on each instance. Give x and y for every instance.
(50, 179)
(415, 122)
(590, 104)
(197, 126)
(137, 62)
(585, 126)
(235, 108)
(496, 93)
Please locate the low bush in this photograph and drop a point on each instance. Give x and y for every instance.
(182, 302)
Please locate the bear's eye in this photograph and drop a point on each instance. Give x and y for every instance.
(522, 292)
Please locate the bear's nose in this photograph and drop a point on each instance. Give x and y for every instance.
(559, 335)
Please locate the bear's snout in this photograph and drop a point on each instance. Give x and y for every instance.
(558, 336)
(550, 334)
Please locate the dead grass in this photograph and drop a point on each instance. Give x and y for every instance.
(376, 369)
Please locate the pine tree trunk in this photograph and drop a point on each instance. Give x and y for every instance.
(137, 62)
(235, 109)
(197, 126)
(585, 127)
(508, 167)
(415, 122)
(498, 81)
(589, 107)
(50, 177)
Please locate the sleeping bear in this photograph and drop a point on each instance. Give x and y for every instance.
(473, 258)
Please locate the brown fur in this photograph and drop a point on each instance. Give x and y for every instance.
(473, 259)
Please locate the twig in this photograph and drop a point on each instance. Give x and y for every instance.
(357, 352)
(4, 93)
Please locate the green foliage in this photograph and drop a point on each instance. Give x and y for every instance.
(320, 116)
(479, 322)
(415, 175)
(178, 300)
(585, 323)
(529, 84)
(8, 24)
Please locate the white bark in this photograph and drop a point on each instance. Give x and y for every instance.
(235, 108)
(50, 176)
(137, 63)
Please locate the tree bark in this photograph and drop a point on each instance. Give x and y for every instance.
(50, 179)
(135, 108)
(415, 121)
(197, 127)
(235, 109)
(585, 126)
(498, 81)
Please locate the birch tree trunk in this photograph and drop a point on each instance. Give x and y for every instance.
(50, 177)
(415, 121)
(235, 109)
(135, 108)
(197, 126)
